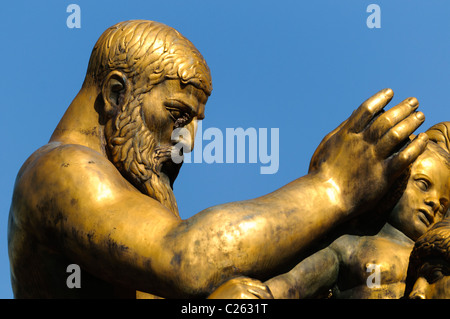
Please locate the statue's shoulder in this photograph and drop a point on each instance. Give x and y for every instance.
(346, 245)
(55, 152)
(61, 164)
(56, 182)
(58, 176)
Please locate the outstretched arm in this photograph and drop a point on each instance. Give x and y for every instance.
(311, 278)
(122, 236)
(355, 167)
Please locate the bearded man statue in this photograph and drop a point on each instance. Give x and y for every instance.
(99, 194)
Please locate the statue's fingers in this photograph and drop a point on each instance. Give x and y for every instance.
(365, 113)
(259, 289)
(261, 293)
(383, 123)
(399, 134)
(401, 160)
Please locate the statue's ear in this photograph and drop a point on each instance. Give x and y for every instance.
(115, 91)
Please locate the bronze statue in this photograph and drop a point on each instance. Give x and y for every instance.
(429, 266)
(345, 268)
(99, 194)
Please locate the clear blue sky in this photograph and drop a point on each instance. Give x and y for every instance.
(298, 66)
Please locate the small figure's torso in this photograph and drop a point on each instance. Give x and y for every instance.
(372, 267)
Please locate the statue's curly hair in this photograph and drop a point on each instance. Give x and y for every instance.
(440, 134)
(148, 52)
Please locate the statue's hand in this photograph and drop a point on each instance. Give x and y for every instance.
(242, 288)
(369, 151)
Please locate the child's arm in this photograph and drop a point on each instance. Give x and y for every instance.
(310, 278)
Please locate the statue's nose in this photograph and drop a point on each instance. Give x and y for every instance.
(419, 289)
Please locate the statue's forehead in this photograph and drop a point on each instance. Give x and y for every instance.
(433, 166)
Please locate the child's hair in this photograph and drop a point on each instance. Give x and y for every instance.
(442, 153)
(440, 134)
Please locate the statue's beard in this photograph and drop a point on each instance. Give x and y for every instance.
(136, 154)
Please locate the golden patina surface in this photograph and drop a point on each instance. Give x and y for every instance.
(428, 275)
(99, 194)
(345, 267)
(429, 265)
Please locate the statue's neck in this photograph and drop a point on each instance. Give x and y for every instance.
(81, 123)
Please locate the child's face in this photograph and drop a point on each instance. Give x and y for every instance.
(426, 198)
(433, 281)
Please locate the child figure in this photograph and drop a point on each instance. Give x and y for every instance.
(375, 267)
(428, 275)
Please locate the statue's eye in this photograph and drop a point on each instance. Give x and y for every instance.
(423, 184)
(433, 270)
(174, 113)
(180, 113)
(180, 117)
(434, 274)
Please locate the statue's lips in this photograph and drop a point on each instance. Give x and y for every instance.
(426, 217)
